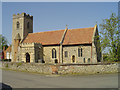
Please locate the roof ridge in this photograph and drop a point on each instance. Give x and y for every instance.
(46, 31)
(58, 30)
(80, 28)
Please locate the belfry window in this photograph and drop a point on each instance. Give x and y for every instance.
(18, 25)
(28, 25)
(53, 53)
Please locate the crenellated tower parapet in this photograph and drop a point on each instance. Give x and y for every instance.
(18, 15)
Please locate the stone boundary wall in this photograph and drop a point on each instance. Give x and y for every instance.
(28, 67)
(61, 69)
(88, 69)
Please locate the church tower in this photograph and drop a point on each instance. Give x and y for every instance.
(22, 25)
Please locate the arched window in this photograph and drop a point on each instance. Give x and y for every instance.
(53, 53)
(66, 53)
(73, 58)
(28, 25)
(80, 52)
(88, 60)
(27, 57)
(84, 60)
(18, 25)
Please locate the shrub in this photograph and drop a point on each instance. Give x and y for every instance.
(6, 60)
(19, 64)
(6, 65)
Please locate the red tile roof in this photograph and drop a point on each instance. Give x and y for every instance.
(73, 36)
(79, 36)
(46, 38)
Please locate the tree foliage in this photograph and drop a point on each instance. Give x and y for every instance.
(3, 42)
(110, 37)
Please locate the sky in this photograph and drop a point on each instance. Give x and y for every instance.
(48, 16)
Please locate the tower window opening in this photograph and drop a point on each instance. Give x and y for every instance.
(28, 25)
(18, 25)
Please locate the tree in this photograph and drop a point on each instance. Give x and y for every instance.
(109, 36)
(3, 42)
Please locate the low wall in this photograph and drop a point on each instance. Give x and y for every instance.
(29, 67)
(88, 69)
(61, 69)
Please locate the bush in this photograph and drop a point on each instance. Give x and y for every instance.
(105, 57)
(6, 60)
(6, 65)
(19, 64)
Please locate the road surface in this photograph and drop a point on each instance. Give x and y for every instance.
(29, 80)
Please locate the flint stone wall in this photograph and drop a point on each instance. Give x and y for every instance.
(29, 67)
(88, 69)
(62, 69)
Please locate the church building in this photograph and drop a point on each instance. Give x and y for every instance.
(60, 46)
